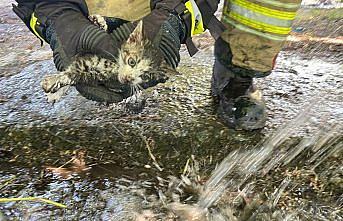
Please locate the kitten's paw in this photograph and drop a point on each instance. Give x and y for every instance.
(52, 83)
(54, 97)
(99, 21)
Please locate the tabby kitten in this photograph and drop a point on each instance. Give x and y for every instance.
(138, 62)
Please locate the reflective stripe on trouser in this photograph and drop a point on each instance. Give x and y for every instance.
(127, 10)
(257, 30)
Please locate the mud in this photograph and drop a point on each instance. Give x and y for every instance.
(125, 152)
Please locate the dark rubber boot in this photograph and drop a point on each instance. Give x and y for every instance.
(240, 104)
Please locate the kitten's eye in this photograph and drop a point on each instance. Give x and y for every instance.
(131, 62)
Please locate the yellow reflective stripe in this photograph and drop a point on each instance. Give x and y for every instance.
(265, 11)
(259, 25)
(33, 23)
(259, 17)
(197, 22)
(253, 31)
(280, 4)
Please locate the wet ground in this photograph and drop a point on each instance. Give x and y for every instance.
(103, 162)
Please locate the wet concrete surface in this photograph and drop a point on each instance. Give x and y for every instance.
(25, 48)
(177, 123)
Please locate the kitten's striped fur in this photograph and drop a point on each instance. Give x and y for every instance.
(87, 69)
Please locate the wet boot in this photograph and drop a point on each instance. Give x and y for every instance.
(240, 103)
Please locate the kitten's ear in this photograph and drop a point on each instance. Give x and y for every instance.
(137, 35)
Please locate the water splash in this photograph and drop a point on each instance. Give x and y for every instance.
(238, 170)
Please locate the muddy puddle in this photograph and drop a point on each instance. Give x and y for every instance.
(108, 163)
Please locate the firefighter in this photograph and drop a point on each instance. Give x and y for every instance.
(248, 39)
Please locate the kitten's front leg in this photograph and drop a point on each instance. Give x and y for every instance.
(52, 83)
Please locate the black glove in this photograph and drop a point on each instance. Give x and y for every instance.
(65, 26)
(191, 23)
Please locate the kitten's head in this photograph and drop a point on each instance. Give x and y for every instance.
(137, 56)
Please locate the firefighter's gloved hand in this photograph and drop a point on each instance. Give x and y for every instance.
(173, 22)
(166, 31)
(65, 26)
(194, 16)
